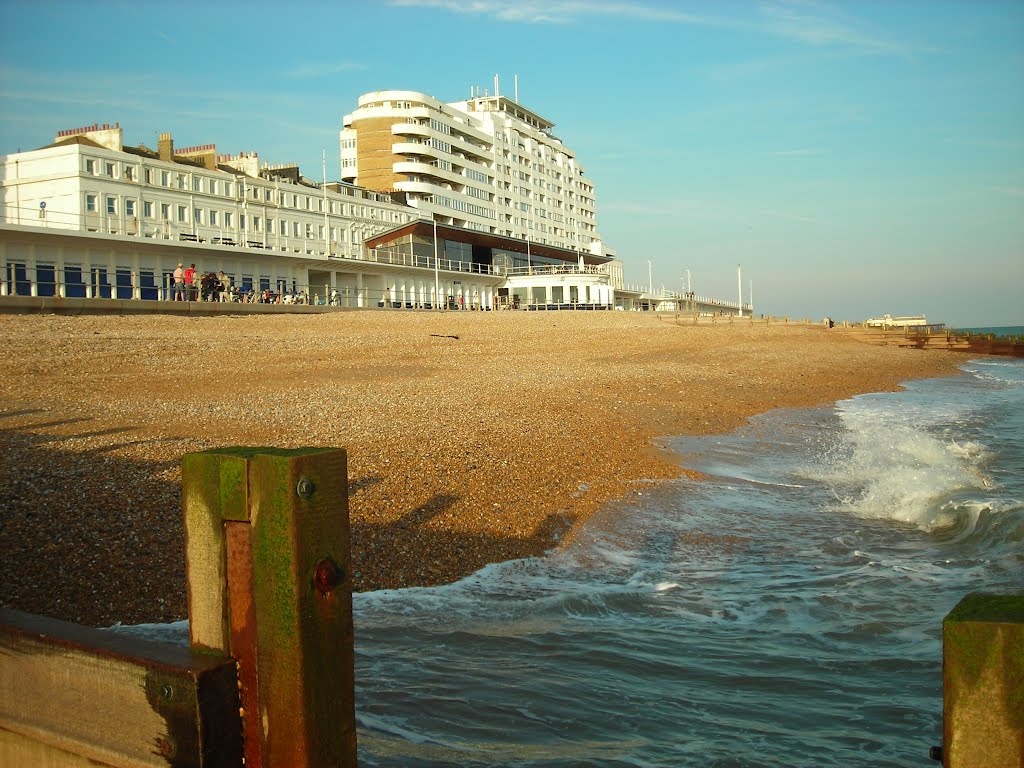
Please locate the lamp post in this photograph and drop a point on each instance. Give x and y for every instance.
(739, 286)
(437, 278)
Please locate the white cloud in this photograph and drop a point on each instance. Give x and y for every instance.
(821, 26)
(308, 71)
(803, 152)
(806, 21)
(556, 11)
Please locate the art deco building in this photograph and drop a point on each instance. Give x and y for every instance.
(487, 164)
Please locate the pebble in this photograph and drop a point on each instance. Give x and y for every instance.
(461, 452)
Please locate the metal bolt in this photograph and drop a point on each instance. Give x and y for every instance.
(305, 488)
(325, 576)
(166, 691)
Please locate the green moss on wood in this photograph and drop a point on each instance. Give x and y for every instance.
(985, 607)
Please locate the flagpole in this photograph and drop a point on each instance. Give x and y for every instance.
(327, 222)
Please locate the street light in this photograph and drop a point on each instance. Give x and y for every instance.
(437, 279)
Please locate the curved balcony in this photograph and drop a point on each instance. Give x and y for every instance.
(421, 187)
(425, 169)
(412, 129)
(409, 148)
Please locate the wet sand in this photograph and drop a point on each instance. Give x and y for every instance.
(472, 438)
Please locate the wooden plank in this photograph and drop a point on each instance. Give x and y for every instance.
(213, 489)
(111, 699)
(983, 682)
(243, 635)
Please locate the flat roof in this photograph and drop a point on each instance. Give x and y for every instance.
(425, 229)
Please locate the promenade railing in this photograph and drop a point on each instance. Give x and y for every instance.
(221, 238)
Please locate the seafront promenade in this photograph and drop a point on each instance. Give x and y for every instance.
(472, 437)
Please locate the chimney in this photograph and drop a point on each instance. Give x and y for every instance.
(165, 147)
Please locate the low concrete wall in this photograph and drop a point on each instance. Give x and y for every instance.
(54, 305)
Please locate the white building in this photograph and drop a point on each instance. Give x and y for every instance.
(492, 166)
(486, 164)
(88, 216)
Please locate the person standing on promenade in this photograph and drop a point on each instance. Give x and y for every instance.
(189, 275)
(225, 286)
(196, 283)
(179, 284)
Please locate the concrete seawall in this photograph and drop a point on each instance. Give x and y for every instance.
(55, 305)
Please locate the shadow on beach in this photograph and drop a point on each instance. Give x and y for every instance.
(90, 534)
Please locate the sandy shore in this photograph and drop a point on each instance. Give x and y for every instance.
(462, 451)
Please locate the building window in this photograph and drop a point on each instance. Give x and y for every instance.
(213, 218)
(227, 189)
(149, 175)
(197, 214)
(90, 166)
(129, 207)
(111, 206)
(165, 211)
(110, 170)
(181, 213)
(129, 173)
(147, 209)
(227, 218)
(255, 223)
(90, 203)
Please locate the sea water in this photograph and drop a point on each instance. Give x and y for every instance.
(999, 331)
(785, 610)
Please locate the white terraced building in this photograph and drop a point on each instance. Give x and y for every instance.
(88, 216)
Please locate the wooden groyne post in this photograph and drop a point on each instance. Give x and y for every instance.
(269, 676)
(983, 683)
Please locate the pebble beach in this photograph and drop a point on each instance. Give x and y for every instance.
(472, 437)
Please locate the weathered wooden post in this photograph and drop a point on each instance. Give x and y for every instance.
(269, 583)
(983, 683)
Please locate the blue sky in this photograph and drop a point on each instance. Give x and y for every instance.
(855, 158)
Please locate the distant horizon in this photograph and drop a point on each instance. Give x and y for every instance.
(854, 159)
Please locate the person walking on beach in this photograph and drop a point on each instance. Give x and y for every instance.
(188, 276)
(179, 284)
